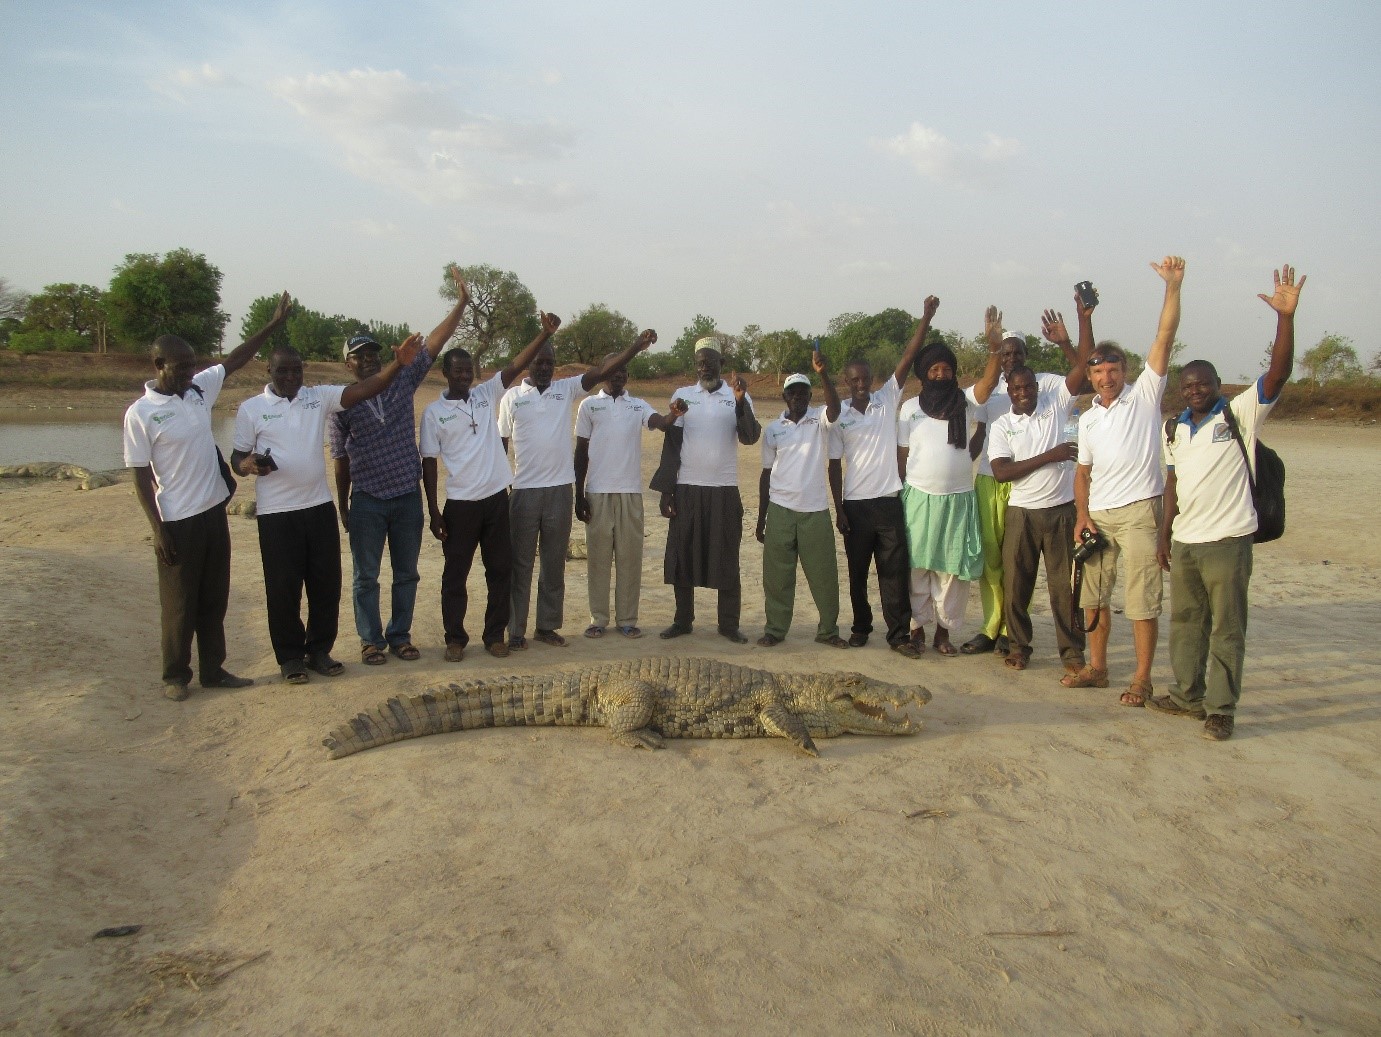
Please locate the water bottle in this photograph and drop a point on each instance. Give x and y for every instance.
(1071, 435)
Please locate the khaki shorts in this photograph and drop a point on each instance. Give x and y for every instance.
(1131, 531)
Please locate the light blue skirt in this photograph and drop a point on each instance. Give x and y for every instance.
(942, 532)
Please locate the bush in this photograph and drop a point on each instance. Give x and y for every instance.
(44, 341)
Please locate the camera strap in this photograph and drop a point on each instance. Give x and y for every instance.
(1077, 613)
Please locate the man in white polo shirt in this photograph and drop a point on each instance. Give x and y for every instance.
(180, 486)
(536, 414)
(1027, 452)
(1211, 517)
(1117, 491)
(280, 438)
(793, 510)
(867, 494)
(609, 496)
(462, 427)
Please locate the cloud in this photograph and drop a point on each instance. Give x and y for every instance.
(187, 81)
(935, 156)
(411, 136)
(1008, 269)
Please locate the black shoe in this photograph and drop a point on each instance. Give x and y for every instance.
(858, 640)
(294, 672)
(675, 630)
(1001, 645)
(322, 663)
(225, 679)
(736, 636)
(1218, 727)
(980, 642)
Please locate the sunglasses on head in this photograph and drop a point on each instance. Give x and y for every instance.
(1106, 358)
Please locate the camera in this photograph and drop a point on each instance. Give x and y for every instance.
(265, 460)
(1088, 295)
(1090, 543)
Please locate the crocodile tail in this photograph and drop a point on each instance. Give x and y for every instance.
(509, 702)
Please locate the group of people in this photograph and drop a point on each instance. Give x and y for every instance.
(901, 477)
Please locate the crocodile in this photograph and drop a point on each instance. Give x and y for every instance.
(643, 701)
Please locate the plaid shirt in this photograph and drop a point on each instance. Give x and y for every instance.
(380, 436)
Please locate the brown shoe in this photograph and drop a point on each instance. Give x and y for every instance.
(175, 690)
(498, 650)
(907, 649)
(1218, 728)
(455, 653)
(1165, 704)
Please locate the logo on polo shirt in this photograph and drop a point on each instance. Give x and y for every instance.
(158, 419)
(521, 403)
(312, 404)
(1221, 432)
(727, 403)
(270, 416)
(448, 417)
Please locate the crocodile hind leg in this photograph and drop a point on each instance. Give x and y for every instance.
(780, 722)
(627, 709)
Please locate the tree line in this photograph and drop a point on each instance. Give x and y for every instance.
(179, 293)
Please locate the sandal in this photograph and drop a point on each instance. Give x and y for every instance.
(594, 631)
(323, 664)
(1017, 658)
(630, 631)
(550, 637)
(1138, 691)
(1087, 677)
(294, 673)
(372, 655)
(407, 651)
(945, 648)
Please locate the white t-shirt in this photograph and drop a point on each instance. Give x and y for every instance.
(1000, 403)
(709, 451)
(795, 451)
(867, 442)
(1215, 498)
(172, 434)
(1020, 437)
(465, 435)
(614, 427)
(932, 463)
(539, 426)
(1121, 444)
(295, 430)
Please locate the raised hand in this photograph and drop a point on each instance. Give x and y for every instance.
(462, 289)
(1053, 328)
(737, 384)
(1286, 295)
(1171, 270)
(818, 364)
(992, 328)
(1079, 307)
(647, 340)
(284, 307)
(550, 322)
(408, 349)
(929, 307)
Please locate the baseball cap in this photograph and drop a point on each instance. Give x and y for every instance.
(355, 343)
(795, 379)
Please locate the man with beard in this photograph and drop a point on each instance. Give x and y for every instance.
(278, 438)
(1211, 516)
(536, 414)
(463, 428)
(941, 509)
(867, 493)
(178, 480)
(706, 510)
(377, 469)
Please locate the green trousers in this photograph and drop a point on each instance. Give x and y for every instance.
(1208, 622)
(809, 536)
(992, 525)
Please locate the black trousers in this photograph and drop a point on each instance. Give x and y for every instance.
(471, 524)
(192, 595)
(877, 538)
(301, 549)
(1033, 534)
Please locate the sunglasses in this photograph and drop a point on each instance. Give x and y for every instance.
(1106, 358)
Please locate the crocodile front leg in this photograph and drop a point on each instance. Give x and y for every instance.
(627, 709)
(780, 722)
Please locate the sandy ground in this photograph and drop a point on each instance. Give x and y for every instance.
(1036, 860)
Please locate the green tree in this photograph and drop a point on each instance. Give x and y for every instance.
(788, 350)
(260, 312)
(1333, 359)
(682, 357)
(502, 316)
(176, 294)
(593, 333)
(747, 348)
(878, 338)
(70, 317)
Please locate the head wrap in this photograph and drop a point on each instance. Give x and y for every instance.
(943, 400)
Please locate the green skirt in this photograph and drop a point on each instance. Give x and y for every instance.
(942, 532)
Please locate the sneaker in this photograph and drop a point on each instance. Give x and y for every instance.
(1218, 728)
(498, 650)
(175, 690)
(455, 653)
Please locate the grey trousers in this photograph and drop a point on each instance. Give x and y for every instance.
(1032, 534)
(614, 537)
(540, 517)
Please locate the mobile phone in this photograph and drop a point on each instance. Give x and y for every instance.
(265, 460)
(1088, 296)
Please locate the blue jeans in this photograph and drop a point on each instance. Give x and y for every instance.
(372, 521)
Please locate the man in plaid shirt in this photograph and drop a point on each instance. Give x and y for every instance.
(374, 445)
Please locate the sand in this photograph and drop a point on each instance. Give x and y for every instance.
(1036, 860)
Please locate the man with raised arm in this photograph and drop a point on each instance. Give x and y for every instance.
(1117, 492)
(536, 414)
(992, 493)
(706, 509)
(377, 471)
(462, 428)
(1206, 532)
(793, 510)
(279, 436)
(609, 497)
(180, 485)
(867, 493)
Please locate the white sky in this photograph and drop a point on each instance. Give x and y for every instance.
(770, 163)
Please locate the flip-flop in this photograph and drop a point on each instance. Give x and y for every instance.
(1087, 677)
(407, 651)
(594, 631)
(630, 631)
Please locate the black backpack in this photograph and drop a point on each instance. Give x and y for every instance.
(1267, 486)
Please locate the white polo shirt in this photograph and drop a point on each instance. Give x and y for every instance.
(465, 435)
(867, 442)
(709, 451)
(1020, 437)
(1121, 444)
(1215, 498)
(539, 426)
(796, 451)
(1000, 403)
(614, 427)
(172, 435)
(932, 464)
(295, 430)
